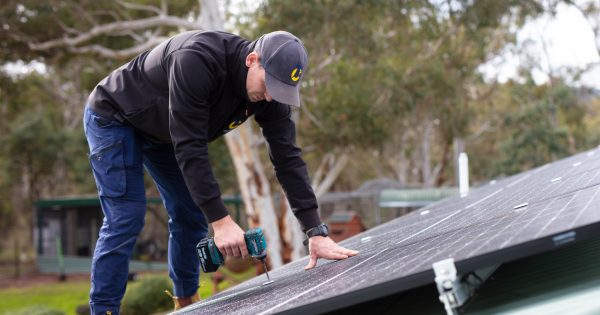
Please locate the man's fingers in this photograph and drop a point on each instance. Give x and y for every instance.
(345, 251)
(312, 263)
(244, 251)
(348, 252)
(325, 248)
(236, 251)
(337, 256)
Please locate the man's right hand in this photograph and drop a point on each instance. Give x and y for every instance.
(229, 238)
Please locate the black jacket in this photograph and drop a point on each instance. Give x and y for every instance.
(190, 90)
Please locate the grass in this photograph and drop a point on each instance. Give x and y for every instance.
(60, 296)
(67, 296)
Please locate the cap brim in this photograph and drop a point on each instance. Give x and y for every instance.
(282, 92)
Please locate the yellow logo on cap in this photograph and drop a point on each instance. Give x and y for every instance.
(296, 73)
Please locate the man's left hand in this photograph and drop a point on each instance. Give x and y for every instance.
(325, 247)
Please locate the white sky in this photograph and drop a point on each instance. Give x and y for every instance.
(569, 42)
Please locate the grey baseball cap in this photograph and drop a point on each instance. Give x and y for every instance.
(285, 60)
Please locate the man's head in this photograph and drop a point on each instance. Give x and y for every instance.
(276, 67)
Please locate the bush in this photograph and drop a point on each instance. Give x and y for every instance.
(36, 310)
(147, 296)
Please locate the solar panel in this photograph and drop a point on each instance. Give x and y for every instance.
(548, 207)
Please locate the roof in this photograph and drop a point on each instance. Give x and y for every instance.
(342, 216)
(94, 201)
(396, 198)
(546, 209)
(565, 281)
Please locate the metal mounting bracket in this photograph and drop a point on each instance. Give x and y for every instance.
(455, 290)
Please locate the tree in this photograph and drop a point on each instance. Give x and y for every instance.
(116, 31)
(535, 125)
(397, 78)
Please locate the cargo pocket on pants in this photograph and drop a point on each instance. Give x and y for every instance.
(108, 164)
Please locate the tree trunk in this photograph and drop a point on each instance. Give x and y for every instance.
(254, 185)
(291, 233)
(255, 189)
(253, 182)
(426, 154)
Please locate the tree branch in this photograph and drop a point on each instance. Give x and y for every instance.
(332, 175)
(111, 28)
(141, 7)
(312, 117)
(118, 54)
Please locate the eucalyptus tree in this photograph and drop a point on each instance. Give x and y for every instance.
(95, 37)
(399, 78)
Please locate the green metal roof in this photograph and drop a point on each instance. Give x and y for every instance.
(391, 198)
(91, 201)
(75, 264)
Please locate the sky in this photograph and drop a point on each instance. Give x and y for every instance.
(567, 37)
(569, 42)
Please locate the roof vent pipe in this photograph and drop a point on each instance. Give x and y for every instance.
(463, 174)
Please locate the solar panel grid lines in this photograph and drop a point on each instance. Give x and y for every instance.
(503, 225)
(556, 215)
(516, 182)
(574, 184)
(528, 221)
(323, 283)
(560, 204)
(586, 207)
(435, 250)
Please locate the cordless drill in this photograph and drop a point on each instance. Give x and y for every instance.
(211, 258)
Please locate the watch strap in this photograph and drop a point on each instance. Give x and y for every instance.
(319, 230)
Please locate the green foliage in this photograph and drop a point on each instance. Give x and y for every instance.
(344, 105)
(147, 296)
(394, 83)
(37, 145)
(532, 125)
(34, 144)
(222, 165)
(394, 77)
(531, 140)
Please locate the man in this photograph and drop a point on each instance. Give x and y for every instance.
(159, 111)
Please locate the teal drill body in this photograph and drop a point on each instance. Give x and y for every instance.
(211, 258)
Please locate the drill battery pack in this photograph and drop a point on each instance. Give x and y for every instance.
(210, 257)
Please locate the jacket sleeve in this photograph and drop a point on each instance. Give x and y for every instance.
(190, 85)
(279, 130)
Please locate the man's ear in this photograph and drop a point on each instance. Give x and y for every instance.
(251, 59)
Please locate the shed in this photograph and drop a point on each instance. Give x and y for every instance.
(67, 230)
(344, 224)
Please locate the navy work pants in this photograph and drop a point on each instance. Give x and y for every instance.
(118, 155)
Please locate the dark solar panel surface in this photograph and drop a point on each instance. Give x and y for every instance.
(560, 204)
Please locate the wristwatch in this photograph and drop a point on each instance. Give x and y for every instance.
(319, 230)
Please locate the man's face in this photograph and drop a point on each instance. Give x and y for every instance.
(255, 82)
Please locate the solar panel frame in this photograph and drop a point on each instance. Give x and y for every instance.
(538, 197)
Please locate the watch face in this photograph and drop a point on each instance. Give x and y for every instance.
(324, 230)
